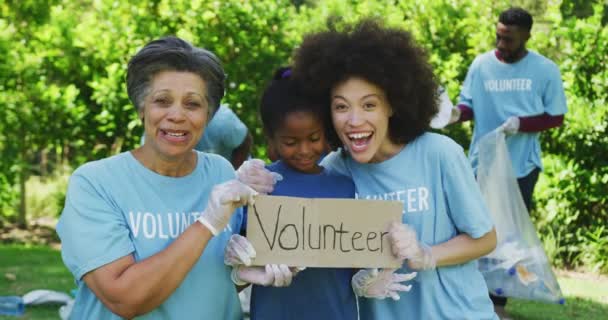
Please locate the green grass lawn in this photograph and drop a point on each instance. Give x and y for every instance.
(586, 298)
(33, 267)
(38, 267)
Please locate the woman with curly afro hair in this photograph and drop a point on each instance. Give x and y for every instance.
(380, 93)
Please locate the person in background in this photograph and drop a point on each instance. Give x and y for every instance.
(515, 90)
(381, 94)
(143, 232)
(296, 128)
(227, 136)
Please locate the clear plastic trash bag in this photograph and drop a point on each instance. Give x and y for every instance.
(518, 267)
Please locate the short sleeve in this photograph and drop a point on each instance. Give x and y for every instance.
(465, 202)
(234, 131)
(466, 92)
(336, 162)
(92, 231)
(554, 98)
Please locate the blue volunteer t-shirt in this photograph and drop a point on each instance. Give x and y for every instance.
(315, 293)
(441, 199)
(496, 91)
(224, 133)
(116, 207)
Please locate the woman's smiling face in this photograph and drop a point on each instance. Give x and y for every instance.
(360, 113)
(175, 113)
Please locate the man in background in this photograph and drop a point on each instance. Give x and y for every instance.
(227, 136)
(518, 91)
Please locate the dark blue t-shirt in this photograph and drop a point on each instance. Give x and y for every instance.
(315, 293)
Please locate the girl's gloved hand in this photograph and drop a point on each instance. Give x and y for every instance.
(239, 251)
(223, 200)
(239, 254)
(371, 283)
(255, 175)
(405, 246)
(276, 275)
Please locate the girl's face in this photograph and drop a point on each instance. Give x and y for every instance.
(360, 113)
(175, 114)
(300, 141)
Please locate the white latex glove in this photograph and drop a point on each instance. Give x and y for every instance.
(444, 115)
(370, 283)
(511, 126)
(254, 174)
(276, 275)
(223, 200)
(239, 251)
(405, 246)
(455, 115)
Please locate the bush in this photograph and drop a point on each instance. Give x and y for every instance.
(46, 195)
(571, 195)
(8, 201)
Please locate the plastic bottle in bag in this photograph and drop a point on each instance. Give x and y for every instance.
(519, 266)
(11, 306)
(504, 284)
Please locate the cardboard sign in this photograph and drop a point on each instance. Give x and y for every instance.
(313, 232)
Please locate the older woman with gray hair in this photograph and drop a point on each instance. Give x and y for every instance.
(144, 231)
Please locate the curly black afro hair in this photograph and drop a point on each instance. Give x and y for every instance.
(387, 57)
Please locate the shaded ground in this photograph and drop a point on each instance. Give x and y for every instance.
(39, 232)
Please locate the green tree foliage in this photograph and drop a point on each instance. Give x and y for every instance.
(63, 98)
(573, 199)
(63, 88)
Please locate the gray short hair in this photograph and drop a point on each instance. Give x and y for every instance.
(172, 53)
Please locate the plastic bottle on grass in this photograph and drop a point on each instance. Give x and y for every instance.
(11, 306)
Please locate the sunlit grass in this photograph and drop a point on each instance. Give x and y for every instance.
(40, 267)
(24, 268)
(586, 298)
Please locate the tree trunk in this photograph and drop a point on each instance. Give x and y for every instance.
(44, 162)
(21, 218)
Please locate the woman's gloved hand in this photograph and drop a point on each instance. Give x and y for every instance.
(223, 200)
(405, 246)
(371, 283)
(255, 175)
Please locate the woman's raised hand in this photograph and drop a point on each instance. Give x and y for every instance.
(223, 200)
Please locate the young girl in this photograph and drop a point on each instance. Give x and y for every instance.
(381, 94)
(296, 132)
